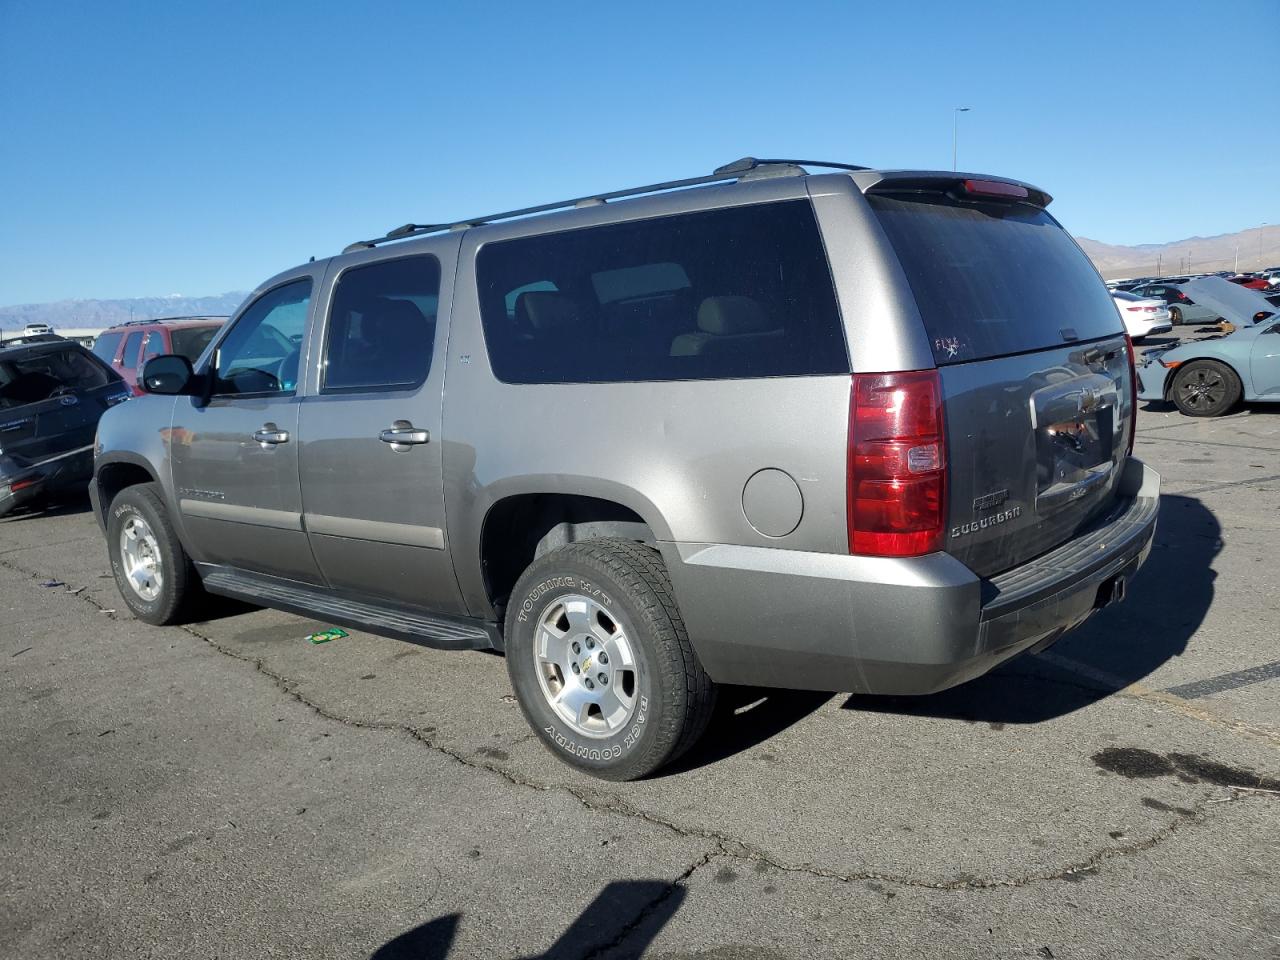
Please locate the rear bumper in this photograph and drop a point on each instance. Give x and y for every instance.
(785, 618)
(1147, 328)
(26, 483)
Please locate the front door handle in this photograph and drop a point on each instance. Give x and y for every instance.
(402, 435)
(268, 435)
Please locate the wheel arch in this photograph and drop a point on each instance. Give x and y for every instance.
(522, 526)
(121, 471)
(1173, 374)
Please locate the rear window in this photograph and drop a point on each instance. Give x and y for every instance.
(190, 342)
(31, 379)
(722, 294)
(104, 348)
(993, 279)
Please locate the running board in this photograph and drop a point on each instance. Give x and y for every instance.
(389, 620)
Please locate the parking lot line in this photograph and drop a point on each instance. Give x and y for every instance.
(1161, 698)
(1226, 681)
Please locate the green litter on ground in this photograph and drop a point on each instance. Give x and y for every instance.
(324, 636)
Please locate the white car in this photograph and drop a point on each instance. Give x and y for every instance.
(33, 329)
(1142, 316)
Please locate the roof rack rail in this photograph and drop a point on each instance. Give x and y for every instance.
(730, 171)
(191, 316)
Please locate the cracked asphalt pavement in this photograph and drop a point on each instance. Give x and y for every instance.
(229, 790)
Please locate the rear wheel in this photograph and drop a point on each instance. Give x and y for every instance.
(155, 576)
(1175, 316)
(600, 660)
(1205, 388)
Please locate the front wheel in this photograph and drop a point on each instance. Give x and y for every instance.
(155, 576)
(1205, 388)
(600, 660)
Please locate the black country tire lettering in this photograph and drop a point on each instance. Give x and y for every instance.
(632, 738)
(582, 750)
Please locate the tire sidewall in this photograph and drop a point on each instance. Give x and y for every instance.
(122, 508)
(1229, 400)
(541, 587)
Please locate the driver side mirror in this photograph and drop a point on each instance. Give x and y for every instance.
(169, 375)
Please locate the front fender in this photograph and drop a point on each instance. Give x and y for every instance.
(137, 435)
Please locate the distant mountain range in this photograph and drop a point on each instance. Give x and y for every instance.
(1251, 249)
(72, 314)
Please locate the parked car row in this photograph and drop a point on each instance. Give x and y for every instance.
(1208, 377)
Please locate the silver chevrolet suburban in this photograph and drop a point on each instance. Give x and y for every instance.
(859, 430)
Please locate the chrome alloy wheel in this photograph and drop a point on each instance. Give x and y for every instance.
(140, 554)
(586, 667)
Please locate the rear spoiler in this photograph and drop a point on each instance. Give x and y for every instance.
(976, 184)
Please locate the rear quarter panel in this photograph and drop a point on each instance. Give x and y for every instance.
(678, 453)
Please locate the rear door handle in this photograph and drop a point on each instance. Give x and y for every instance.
(268, 435)
(402, 434)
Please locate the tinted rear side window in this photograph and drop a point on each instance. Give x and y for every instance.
(992, 279)
(734, 293)
(190, 342)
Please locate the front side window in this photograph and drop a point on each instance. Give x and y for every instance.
(260, 354)
(382, 326)
(723, 294)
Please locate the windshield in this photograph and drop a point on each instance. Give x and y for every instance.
(33, 378)
(190, 342)
(993, 279)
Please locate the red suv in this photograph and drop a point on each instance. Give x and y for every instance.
(128, 346)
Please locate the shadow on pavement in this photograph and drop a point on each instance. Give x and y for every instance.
(633, 911)
(744, 717)
(62, 505)
(1166, 603)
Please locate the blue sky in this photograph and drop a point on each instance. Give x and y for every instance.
(155, 148)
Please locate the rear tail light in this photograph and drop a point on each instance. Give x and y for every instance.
(1133, 392)
(23, 484)
(897, 464)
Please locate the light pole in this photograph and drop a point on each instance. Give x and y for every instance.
(955, 119)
